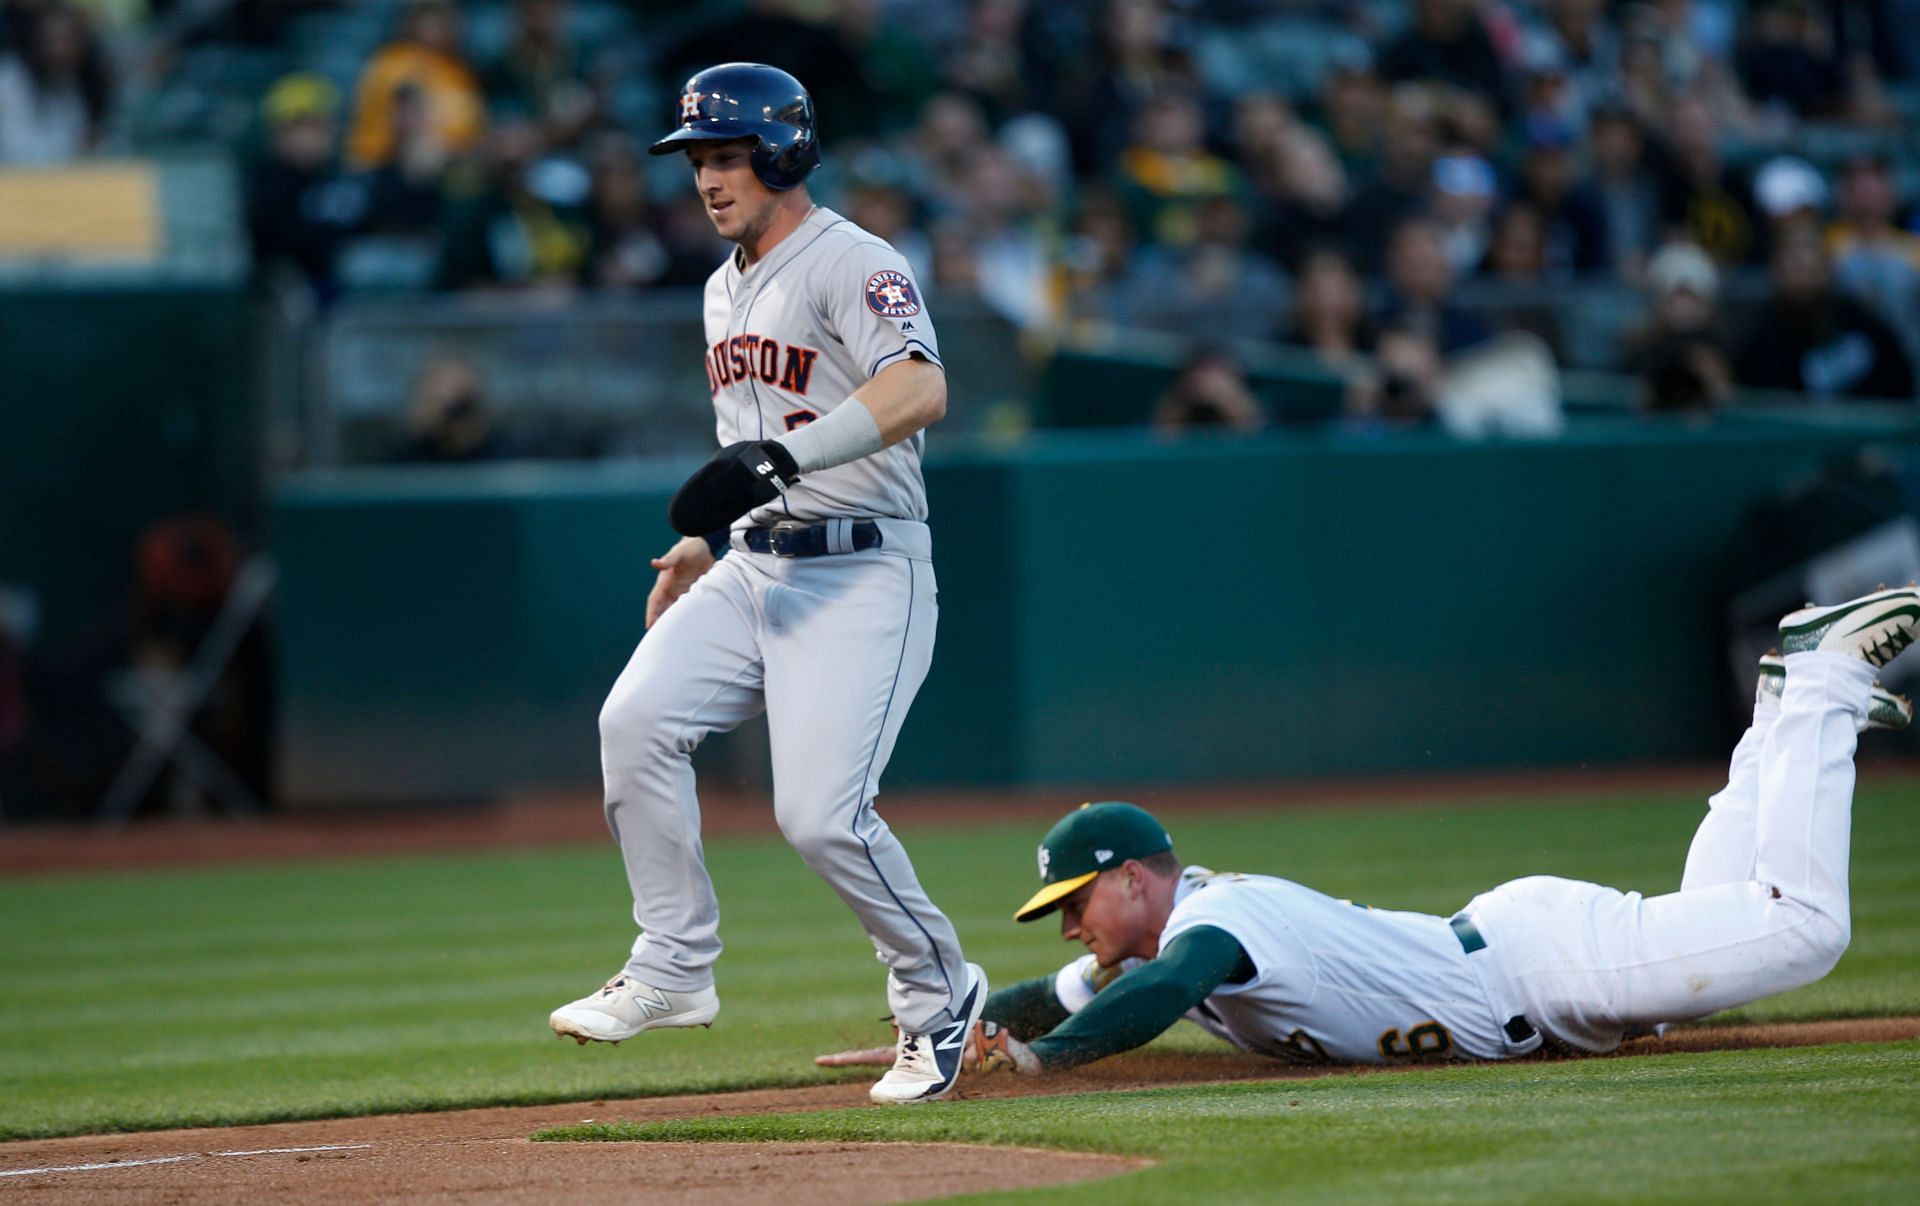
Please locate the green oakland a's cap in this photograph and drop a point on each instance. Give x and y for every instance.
(1091, 839)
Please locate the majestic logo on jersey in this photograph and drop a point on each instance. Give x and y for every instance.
(690, 105)
(890, 295)
(758, 358)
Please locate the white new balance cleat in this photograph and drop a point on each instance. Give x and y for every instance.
(926, 1066)
(1874, 628)
(625, 1007)
(1886, 711)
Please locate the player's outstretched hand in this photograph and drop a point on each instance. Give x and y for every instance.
(991, 1049)
(864, 1057)
(679, 568)
(739, 478)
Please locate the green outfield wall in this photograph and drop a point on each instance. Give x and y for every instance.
(119, 406)
(1114, 608)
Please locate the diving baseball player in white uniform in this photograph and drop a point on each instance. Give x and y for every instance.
(824, 370)
(1277, 968)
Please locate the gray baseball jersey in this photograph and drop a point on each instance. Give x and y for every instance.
(791, 337)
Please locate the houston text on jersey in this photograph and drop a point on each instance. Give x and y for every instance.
(757, 357)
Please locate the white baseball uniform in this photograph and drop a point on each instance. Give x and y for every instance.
(832, 647)
(1762, 908)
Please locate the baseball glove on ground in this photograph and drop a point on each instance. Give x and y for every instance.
(991, 1049)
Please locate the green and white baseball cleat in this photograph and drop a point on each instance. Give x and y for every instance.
(1886, 711)
(1874, 628)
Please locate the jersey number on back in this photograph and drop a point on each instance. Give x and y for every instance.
(1428, 1040)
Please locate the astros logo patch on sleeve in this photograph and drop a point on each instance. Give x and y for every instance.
(890, 295)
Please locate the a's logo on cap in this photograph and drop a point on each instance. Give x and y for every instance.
(890, 295)
(1102, 856)
(690, 104)
(1045, 858)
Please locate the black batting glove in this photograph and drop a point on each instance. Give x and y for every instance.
(739, 478)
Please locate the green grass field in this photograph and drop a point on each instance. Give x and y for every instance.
(246, 994)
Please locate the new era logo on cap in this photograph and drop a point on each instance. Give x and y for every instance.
(1087, 841)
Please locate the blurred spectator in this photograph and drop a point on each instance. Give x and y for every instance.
(1517, 252)
(894, 61)
(1873, 259)
(426, 61)
(1420, 283)
(778, 32)
(1447, 44)
(941, 147)
(521, 224)
(1168, 171)
(1404, 388)
(1705, 201)
(404, 193)
(877, 200)
(298, 209)
(1003, 206)
(1680, 356)
(1786, 59)
(1352, 108)
(1216, 285)
(1788, 187)
(1094, 259)
(1329, 311)
(1625, 191)
(450, 421)
(1813, 339)
(1464, 192)
(1575, 230)
(1299, 187)
(54, 89)
(1136, 57)
(625, 250)
(1401, 179)
(1210, 392)
(1581, 49)
(539, 74)
(989, 64)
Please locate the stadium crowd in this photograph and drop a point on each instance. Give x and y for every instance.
(1338, 175)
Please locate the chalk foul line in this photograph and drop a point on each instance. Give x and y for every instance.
(263, 1151)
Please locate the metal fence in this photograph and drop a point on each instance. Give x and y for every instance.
(587, 376)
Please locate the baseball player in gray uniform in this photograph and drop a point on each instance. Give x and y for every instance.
(1277, 968)
(825, 371)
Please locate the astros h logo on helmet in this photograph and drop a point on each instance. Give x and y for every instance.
(690, 104)
(890, 295)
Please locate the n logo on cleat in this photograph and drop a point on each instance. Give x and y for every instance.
(956, 1037)
(650, 1005)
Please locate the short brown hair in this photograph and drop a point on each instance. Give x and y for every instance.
(1165, 864)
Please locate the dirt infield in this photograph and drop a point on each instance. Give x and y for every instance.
(484, 1155)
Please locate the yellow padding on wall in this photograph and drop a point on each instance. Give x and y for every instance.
(108, 210)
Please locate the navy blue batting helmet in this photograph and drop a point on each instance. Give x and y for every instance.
(750, 100)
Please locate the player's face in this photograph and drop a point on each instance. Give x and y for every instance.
(739, 206)
(1109, 918)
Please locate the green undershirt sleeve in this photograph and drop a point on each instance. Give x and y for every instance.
(1144, 1002)
(1027, 1009)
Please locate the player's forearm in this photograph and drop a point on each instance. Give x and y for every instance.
(1027, 1009)
(903, 398)
(1139, 1006)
